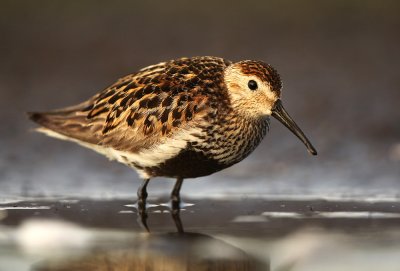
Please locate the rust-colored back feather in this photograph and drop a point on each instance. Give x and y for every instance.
(144, 107)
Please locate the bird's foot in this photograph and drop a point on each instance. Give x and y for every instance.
(142, 214)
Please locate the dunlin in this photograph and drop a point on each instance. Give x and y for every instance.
(183, 118)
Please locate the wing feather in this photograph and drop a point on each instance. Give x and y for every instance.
(142, 108)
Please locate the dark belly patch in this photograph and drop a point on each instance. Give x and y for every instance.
(187, 164)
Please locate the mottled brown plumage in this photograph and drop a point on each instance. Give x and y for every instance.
(183, 118)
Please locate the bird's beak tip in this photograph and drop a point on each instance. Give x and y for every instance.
(281, 115)
(313, 152)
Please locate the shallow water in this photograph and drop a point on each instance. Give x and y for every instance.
(245, 234)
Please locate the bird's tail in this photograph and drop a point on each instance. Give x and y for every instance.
(68, 124)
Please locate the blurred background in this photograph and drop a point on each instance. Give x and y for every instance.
(339, 61)
(280, 209)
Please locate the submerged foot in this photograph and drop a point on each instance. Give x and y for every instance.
(175, 212)
(141, 204)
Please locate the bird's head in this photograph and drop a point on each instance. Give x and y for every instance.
(254, 89)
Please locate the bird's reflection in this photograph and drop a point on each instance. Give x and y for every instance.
(167, 252)
(158, 251)
(175, 212)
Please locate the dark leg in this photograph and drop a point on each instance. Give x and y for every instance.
(141, 202)
(142, 192)
(175, 204)
(175, 197)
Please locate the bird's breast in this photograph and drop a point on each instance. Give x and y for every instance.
(232, 140)
(202, 151)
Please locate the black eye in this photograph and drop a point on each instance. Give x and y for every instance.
(252, 85)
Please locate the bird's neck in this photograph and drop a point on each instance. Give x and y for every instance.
(233, 138)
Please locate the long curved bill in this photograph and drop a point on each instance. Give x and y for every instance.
(280, 114)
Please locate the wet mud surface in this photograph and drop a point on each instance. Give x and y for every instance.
(243, 234)
(271, 218)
